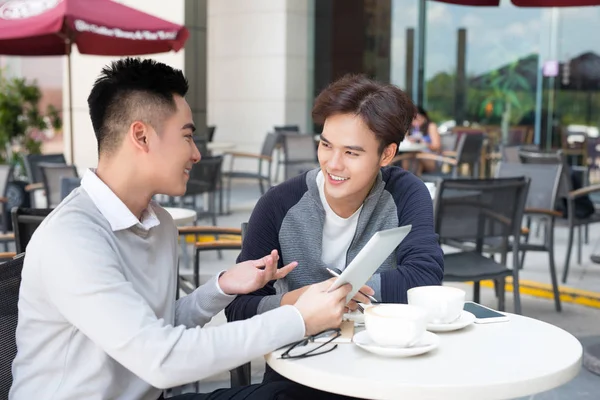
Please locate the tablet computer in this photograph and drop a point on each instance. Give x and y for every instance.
(370, 258)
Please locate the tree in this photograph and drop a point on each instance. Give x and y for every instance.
(22, 124)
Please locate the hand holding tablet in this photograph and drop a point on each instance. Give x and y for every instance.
(370, 258)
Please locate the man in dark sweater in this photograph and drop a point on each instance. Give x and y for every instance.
(324, 217)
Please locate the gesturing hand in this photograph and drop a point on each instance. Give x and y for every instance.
(252, 275)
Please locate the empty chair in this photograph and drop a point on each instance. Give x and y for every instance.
(543, 193)
(52, 175)
(205, 178)
(477, 210)
(10, 282)
(32, 161)
(25, 222)
(300, 154)
(262, 175)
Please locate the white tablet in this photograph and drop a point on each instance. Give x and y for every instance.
(370, 257)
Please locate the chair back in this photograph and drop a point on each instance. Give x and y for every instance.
(544, 182)
(10, 281)
(287, 128)
(25, 222)
(6, 172)
(210, 133)
(244, 230)
(269, 144)
(67, 185)
(475, 209)
(32, 161)
(469, 148)
(448, 141)
(300, 153)
(202, 145)
(204, 176)
(52, 175)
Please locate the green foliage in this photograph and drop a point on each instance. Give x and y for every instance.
(21, 123)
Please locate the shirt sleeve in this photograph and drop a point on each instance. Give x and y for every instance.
(88, 287)
(198, 308)
(261, 238)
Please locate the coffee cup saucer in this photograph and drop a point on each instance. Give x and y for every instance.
(465, 319)
(426, 343)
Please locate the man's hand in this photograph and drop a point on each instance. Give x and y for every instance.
(322, 310)
(252, 275)
(359, 298)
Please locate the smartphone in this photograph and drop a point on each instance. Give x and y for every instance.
(483, 314)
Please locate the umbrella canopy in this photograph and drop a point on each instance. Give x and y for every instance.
(525, 3)
(555, 3)
(99, 27)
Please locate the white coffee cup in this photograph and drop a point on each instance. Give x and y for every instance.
(444, 304)
(395, 324)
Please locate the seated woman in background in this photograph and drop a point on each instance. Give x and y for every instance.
(425, 131)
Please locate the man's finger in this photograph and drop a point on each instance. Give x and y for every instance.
(361, 298)
(367, 290)
(283, 271)
(341, 292)
(352, 306)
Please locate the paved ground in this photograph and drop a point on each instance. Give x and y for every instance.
(583, 322)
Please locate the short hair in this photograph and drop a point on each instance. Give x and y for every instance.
(384, 108)
(129, 90)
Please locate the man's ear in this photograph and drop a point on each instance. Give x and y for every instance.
(138, 135)
(388, 154)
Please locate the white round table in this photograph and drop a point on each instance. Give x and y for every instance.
(220, 146)
(409, 147)
(182, 216)
(483, 361)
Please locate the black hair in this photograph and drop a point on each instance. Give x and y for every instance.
(132, 89)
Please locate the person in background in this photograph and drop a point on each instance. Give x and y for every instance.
(423, 130)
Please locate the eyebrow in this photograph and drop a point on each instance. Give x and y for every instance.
(355, 148)
(189, 126)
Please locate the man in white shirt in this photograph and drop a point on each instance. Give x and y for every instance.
(97, 312)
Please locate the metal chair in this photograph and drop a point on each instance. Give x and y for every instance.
(261, 175)
(52, 175)
(475, 210)
(10, 282)
(25, 222)
(205, 178)
(543, 192)
(570, 198)
(300, 154)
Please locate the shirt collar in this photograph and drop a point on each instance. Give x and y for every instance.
(112, 208)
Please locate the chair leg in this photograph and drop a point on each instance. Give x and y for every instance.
(553, 277)
(579, 243)
(568, 256)
(197, 268)
(476, 292)
(587, 234)
(240, 376)
(261, 186)
(500, 285)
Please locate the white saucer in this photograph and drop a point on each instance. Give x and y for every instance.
(465, 319)
(428, 342)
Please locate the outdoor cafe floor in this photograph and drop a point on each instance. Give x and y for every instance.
(580, 317)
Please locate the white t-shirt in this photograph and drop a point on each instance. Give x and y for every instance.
(338, 232)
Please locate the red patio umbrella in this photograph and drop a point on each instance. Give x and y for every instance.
(99, 27)
(525, 3)
(555, 3)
